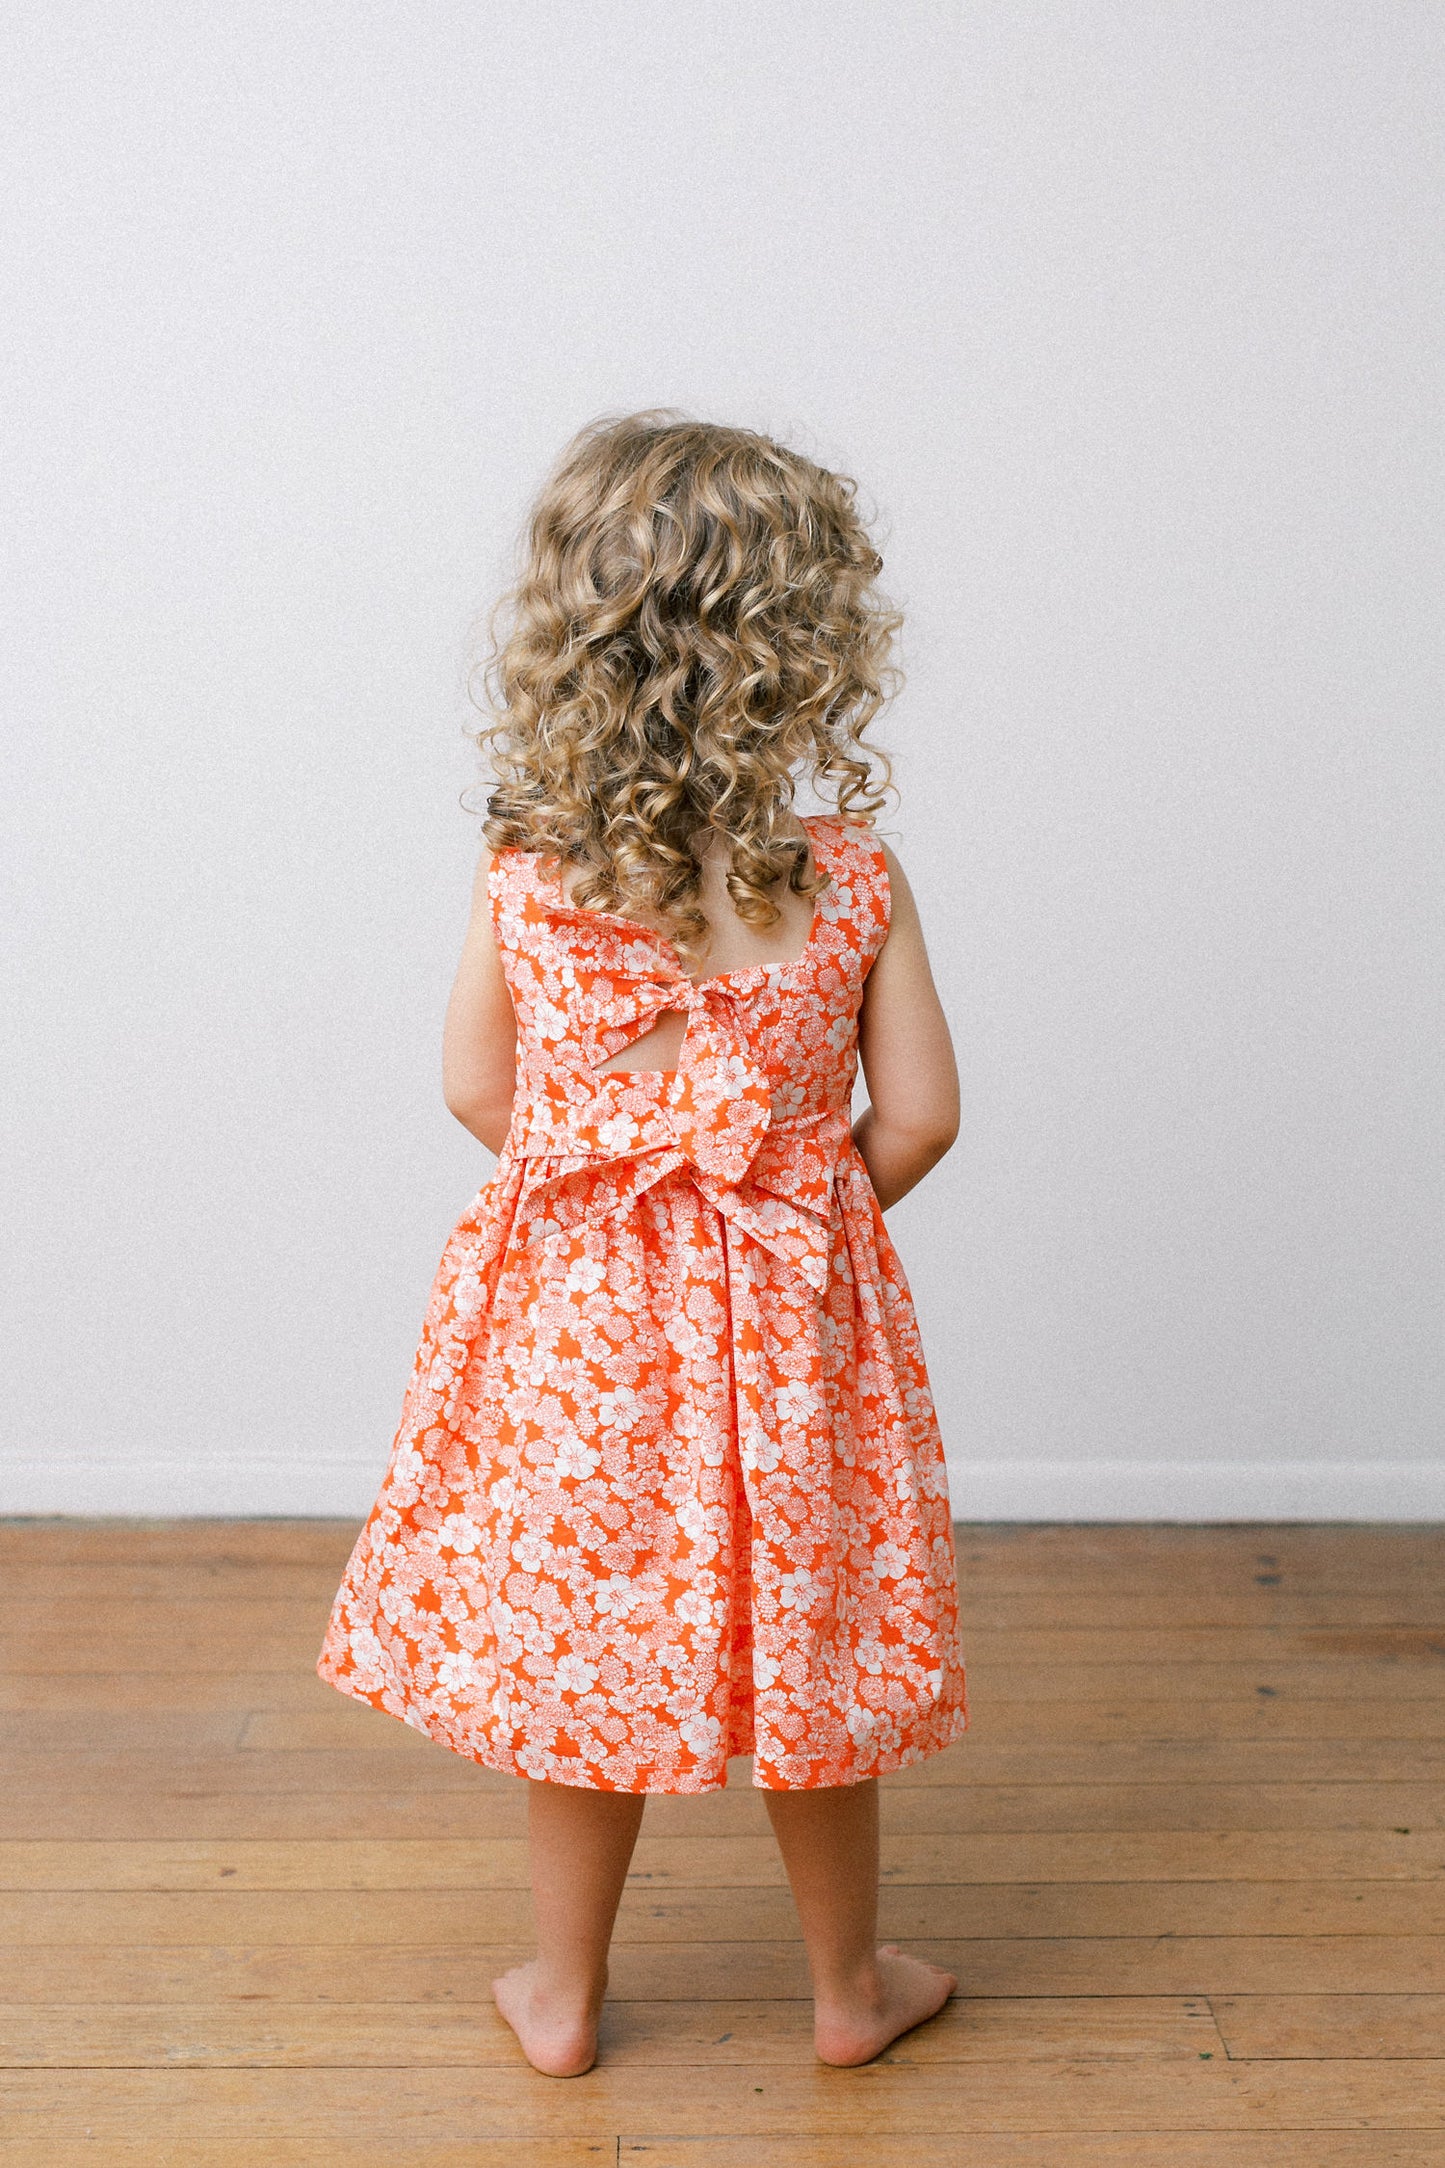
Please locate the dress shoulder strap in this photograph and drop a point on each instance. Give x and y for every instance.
(512, 881)
(859, 892)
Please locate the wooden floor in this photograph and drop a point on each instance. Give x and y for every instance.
(1189, 1863)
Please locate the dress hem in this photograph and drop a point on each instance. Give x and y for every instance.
(489, 1757)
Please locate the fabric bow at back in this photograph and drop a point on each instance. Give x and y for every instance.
(719, 1105)
(772, 1179)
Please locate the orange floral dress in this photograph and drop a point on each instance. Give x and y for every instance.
(668, 1484)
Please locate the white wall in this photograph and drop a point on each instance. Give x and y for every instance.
(1128, 316)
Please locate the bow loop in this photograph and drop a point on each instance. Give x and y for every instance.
(772, 1180)
(718, 1103)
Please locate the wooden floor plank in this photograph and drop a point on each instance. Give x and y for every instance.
(432, 1974)
(445, 1918)
(140, 1541)
(1416, 1607)
(984, 1809)
(1107, 2149)
(437, 1968)
(713, 1943)
(193, 2149)
(745, 1861)
(204, 1803)
(1077, 2149)
(660, 2034)
(943, 1856)
(1066, 2095)
(1367, 2026)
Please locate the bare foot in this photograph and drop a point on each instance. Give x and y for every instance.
(558, 2035)
(904, 1992)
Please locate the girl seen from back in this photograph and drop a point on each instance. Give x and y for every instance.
(668, 1485)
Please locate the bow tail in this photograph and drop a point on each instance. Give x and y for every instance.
(791, 1232)
(561, 1193)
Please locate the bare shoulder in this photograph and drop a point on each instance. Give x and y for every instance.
(482, 892)
(482, 883)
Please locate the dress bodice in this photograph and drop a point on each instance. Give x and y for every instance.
(760, 1099)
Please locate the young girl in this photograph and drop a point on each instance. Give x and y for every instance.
(668, 1485)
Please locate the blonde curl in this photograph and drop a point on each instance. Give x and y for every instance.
(695, 624)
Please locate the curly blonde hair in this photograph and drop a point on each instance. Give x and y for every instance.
(696, 619)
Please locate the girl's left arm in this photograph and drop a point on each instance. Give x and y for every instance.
(479, 1040)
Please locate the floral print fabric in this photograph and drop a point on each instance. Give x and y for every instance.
(668, 1484)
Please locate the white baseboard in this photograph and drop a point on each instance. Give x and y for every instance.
(295, 1485)
(260, 1485)
(1197, 1490)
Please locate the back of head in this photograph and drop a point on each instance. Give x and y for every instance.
(695, 630)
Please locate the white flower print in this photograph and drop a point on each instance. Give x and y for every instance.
(574, 1676)
(576, 1460)
(442, 1370)
(394, 1603)
(797, 1591)
(619, 1133)
(692, 1517)
(683, 1334)
(760, 1454)
(890, 1561)
(702, 1733)
(795, 1402)
(367, 1656)
(459, 1534)
(694, 1608)
(619, 1409)
(408, 1467)
(531, 1551)
(616, 1596)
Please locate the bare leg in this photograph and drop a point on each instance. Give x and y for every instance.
(581, 1843)
(863, 1996)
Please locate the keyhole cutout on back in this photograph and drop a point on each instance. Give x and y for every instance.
(657, 1050)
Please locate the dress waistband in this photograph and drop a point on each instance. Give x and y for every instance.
(600, 1157)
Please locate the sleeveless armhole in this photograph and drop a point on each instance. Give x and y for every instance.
(501, 902)
(876, 916)
(494, 894)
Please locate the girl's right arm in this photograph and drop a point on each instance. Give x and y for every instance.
(479, 1042)
(907, 1056)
